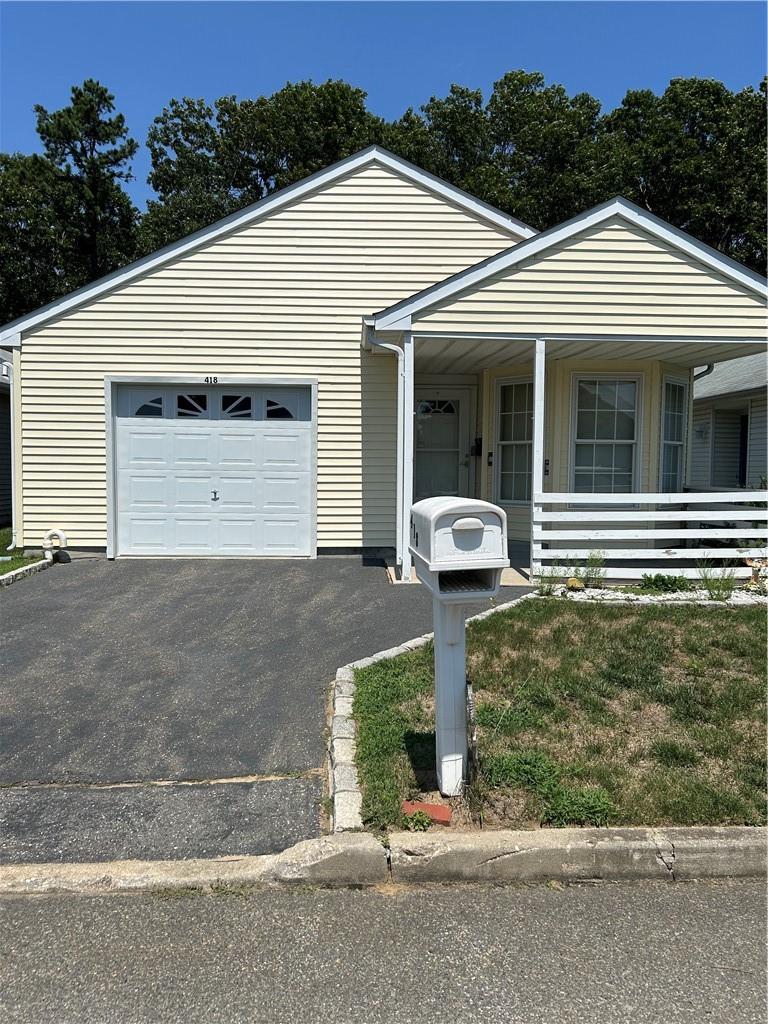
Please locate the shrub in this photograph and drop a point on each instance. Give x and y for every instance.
(718, 583)
(659, 583)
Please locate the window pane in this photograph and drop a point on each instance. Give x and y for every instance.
(626, 394)
(236, 407)
(585, 426)
(153, 407)
(625, 426)
(606, 394)
(622, 458)
(605, 425)
(191, 406)
(587, 394)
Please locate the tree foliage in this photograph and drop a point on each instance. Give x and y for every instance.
(64, 217)
(695, 155)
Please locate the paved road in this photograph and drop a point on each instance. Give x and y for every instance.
(178, 669)
(604, 954)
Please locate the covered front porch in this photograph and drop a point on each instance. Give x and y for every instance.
(556, 380)
(585, 442)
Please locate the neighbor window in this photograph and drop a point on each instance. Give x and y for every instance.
(605, 434)
(674, 419)
(515, 431)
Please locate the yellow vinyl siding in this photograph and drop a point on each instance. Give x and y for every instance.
(281, 297)
(611, 279)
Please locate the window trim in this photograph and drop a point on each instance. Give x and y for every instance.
(671, 378)
(639, 378)
(497, 443)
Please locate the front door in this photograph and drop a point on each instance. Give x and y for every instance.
(441, 442)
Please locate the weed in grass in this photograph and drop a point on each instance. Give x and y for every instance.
(718, 583)
(673, 754)
(659, 583)
(529, 768)
(588, 805)
(419, 821)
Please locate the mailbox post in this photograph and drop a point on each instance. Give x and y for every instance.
(459, 549)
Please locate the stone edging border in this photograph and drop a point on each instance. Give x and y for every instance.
(25, 570)
(343, 783)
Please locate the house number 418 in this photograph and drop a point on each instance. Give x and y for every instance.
(211, 380)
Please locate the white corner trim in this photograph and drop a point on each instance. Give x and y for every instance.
(265, 206)
(390, 318)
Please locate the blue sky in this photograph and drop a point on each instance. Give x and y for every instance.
(400, 53)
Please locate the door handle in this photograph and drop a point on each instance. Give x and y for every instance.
(215, 495)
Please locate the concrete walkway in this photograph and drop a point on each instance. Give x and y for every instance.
(131, 673)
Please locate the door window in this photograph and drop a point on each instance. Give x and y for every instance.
(437, 454)
(674, 419)
(191, 406)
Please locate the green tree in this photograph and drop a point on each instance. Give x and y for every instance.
(208, 161)
(92, 152)
(64, 217)
(695, 156)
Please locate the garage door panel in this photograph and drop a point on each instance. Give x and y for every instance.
(240, 535)
(285, 492)
(287, 448)
(144, 448)
(195, 535)
(194, 448)
(145, 491)
(146, 535)
(286, 535)
(238, 492)
(239, 449)
(221, 485)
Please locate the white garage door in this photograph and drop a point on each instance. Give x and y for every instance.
(213, 471)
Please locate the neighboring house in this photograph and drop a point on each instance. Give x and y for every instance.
(728, 440)
(288, 380)
(5, 441)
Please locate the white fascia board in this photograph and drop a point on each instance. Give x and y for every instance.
(371, 155)
(12, 339)
(467, 279)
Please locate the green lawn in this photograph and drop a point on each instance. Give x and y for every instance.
(587, 714)
(17, 558)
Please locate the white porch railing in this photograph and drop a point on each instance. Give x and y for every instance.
(563, 534)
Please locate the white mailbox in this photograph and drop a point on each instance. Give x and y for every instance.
(459, 549)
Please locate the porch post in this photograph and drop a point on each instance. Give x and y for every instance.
(537, 447)
(407, 431)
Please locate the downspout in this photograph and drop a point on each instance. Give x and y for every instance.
(7, 371)
(400, 429)
(704, 373)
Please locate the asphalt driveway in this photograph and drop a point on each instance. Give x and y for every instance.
(214, 672)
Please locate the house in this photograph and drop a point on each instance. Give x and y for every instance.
(288, 380)
(728, 439)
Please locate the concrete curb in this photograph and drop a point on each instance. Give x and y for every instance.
(25, 570)
(331, 861)
(574, 854)
(343, 783)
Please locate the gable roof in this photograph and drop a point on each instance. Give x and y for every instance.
(11, 332)
(397, 316)
(750, 373)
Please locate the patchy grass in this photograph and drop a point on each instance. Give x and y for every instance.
(587, 714)
(17, 559)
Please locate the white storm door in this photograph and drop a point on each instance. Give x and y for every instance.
(441, 442)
